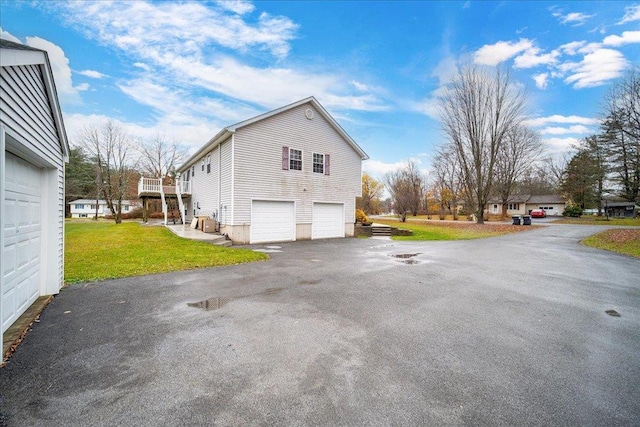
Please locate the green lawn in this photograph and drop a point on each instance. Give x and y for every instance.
(432, 230)
(623, 241)
(105, 250)
(599, 220)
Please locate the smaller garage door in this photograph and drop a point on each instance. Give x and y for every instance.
(272, 221)
(328, 220)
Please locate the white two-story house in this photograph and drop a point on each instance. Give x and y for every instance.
(289, 174)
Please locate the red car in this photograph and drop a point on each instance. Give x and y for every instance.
(538, 213)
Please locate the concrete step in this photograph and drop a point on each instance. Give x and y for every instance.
(219, 241)
(380, 230)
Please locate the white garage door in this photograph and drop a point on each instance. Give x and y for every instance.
(272, 221)
(21, 246)
(328, 220)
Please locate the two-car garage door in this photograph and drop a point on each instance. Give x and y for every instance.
(22, 234)
(275, 221)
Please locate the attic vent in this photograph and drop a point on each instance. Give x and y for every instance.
(308, 113)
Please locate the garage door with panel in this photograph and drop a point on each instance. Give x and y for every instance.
(328, 220)
(272, 221)
(22, 234)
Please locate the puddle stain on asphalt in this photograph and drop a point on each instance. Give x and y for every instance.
(613, 313)
(406, 258)
(219, 302)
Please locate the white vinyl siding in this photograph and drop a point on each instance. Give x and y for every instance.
(31, 134)
(226, 183)
(205, 187)
(259, 172)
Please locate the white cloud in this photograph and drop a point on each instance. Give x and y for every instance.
(181, 28)
(428, 106)
(575, 18)
(631, 14)
(8, 36)
(556, 118)
(92, 74)
(575, 129)
(67, 93)
(532, 58)
(362, 87)
(191, 135)
(572, 48)
(82, 87)
(542, 80)
(177, 43)
(378, 169)
(597, 68)
(627, 37)
(501, 51)
(237, 6)
(560, 145)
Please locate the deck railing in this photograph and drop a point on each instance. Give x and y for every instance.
(154, 185)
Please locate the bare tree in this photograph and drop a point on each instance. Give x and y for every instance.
(477, 111)
(159, 157)
(406, 187)
(447, 181)
(521, 147)
(110, 146)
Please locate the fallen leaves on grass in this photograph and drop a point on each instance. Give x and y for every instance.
(622, 240)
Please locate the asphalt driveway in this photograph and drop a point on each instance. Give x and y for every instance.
(502, 331)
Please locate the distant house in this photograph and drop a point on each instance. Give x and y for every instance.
(86, 208)
(621, 209)
(289, 174)
(553, 204)
(33, 153)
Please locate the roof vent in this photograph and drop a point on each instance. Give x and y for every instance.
(308, 113)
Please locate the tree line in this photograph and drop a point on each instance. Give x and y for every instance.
(489, 153)
(106, 163)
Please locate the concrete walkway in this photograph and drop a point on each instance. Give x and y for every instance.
(186, 232)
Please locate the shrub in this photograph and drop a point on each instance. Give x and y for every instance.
(571, 210)
(361, 217)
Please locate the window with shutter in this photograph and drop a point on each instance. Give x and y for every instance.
(318, 163)
(295, 159)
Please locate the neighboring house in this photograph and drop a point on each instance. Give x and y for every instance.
(621, 209)
(290, 174)
(86, 208)
(33, 153)
(553, 204)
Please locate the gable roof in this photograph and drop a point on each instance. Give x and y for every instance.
(547, 198)
(226, 132)
(15, 54)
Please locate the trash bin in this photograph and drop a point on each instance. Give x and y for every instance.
(526, 219)
(516, 219)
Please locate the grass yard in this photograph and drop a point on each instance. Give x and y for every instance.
(599, 220)
(435, 230)
(105, 250)
(623, 241)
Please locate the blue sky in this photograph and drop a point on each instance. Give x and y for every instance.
(184, 70)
